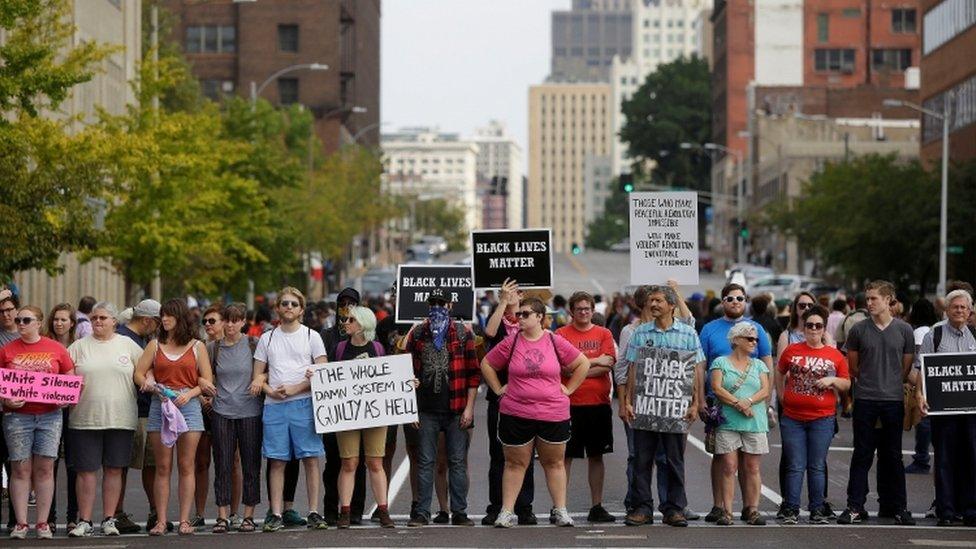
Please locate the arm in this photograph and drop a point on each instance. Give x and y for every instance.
(726, 397)
(473, 378)
(781, 344)
(506, 296)
(852, 363)
(491, 378)
(579, 367)
(906, 367)
(144, 367)
(697, 400)
(259, 380)
(684, 313)
(763, 391)
(624, 393)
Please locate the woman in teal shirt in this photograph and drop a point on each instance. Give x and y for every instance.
(741, 384)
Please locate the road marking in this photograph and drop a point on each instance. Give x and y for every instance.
(766, 491)
(612, 536)
(399, 477)
(577, 265)
(942, 543)
(598, 286)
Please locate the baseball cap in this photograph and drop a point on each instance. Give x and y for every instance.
(147, 308)
(436, 294)
(348, 293)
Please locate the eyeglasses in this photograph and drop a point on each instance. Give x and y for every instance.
(582, 310)
(347, 319)
(734, 298)
(209, 321)
(100, 317)
(750, 339)
(814, 325)
(804, 305)
(286, 303)
(524, 314)
(25, 320)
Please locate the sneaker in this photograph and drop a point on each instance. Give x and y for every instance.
(638, 519)
(691, 515)
(715, 514)
(343, 522)
(817, 516)
(418, 520)
(526, 518)
(109, 527)
(20, 531)
(916, 468)
(461, 519)
(273, 523)
(851, 516)
(385, 520)
(828, 511)
(292, 518)
(599, 514)
(489, 519)
(561, 516)
(782, 511)
(441, 518)
(904, 518)
(931, 512)
(44, 531)
(83, 529)
(356, 520)
(506, 519)
(788, 516)
(32, 499)
(125, 525)
(234, 521)
(316, 522)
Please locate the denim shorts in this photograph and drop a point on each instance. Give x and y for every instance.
(30, 434)
(192, 412)
(289, 431)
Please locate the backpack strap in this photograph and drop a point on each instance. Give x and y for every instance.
(937, 337)
(341, 349)
(511, 351)
(378, 348)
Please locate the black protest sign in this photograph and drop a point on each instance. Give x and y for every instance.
(664, 386)
(414, 283)
(949, 383)
(522, 255)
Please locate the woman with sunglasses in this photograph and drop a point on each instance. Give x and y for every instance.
(32, 430)
(741, 383)
(794, 332)
(61, 328)
(813, 373)
(534, 406)
(213, 329)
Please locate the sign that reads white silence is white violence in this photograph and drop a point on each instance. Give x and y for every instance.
(362, 393)
(663, 237)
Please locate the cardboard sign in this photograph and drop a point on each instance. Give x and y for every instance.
(663, 237)
(414, 283)
(949, 382)
(522, 255)
(39, 387)
(664, 387)
(362, 393)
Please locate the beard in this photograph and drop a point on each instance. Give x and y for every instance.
(734, 315)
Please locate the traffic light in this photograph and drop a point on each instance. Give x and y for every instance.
(626, 183)
(744, 230)
(576, 249)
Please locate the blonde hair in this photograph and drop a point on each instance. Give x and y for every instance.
(289, 290)
(365, 317)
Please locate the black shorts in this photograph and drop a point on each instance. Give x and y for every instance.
(90, 450)
(592, 431)
(519, 431)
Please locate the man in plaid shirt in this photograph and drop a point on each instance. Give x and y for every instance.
(445, 362)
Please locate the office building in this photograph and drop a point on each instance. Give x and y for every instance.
(587, 37)
(500, 159)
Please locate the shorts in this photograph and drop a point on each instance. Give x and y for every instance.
(289, 431)
(192, 413)
(519, 431)
(592, 431)
(142, 454)
(373, 441)
(93, 449)
(727, 442)
(32, 434)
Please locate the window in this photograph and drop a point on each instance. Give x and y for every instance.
(851, 13)
(215, 89)
(211, 39)
(228, 39)
(834, 60)
(946, 21)
(287, 91)
(892, 60)
(288, 38)
(903, 21)
(194, 37)
(823, 29)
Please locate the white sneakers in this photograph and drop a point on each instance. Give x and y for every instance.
(83, 529)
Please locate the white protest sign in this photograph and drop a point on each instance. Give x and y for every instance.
(663, 237)
(362, 393)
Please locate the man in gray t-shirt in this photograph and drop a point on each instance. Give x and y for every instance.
(8, 311)
(881, 358)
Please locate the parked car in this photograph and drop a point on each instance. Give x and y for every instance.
(622, 246)
(437, 244)
(420, 253)
(785, 286)
(377, 281)
(746, 274)
(705, 261)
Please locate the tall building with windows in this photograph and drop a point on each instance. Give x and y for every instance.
(568, 124)
(586, 38)
(500, 159)
(233, 45)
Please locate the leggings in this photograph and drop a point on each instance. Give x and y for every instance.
(227, 435)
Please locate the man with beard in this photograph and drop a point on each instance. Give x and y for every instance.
(715, 343)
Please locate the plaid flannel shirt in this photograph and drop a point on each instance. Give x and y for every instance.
(464, 373)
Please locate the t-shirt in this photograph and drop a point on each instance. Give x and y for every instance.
(143, 400)
(735, 420)
(802, 399)
(45, 355)
(506, 328)
(288, 355)
(592, 343)
(233, 368)
(6, 337)
(534, 375)
(715, 340)
(108, 398)
(879, 354)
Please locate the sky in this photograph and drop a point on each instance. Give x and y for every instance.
(456, 64)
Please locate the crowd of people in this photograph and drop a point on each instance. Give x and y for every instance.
(227, 387)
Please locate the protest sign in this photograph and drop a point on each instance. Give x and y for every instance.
(663, 389)
(949, 383)
(414, 283)
(362, 393)
(39, 387)
(522, 255)
(663, 237)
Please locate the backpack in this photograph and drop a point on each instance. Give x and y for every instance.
(937, 335)
(341, 349)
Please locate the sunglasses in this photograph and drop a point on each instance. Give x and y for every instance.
(814, 325)
(734, 298)
(750, 339)
(347, 319)
(804, 305)
(209, 321)
(524, 314)
(25, 320)
(100, 318)
(286, 303)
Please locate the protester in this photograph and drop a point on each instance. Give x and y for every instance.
(880, 351)
(760, 307)
(620, 370)
(859, 313)
(177, 362)
(213, 329)
(741, 383)
(61, 328)
(8, 314)
(83, 327)
(589, 406)
(838, 310)
(32, 430)
(535, 411)
(922, 319)
(101, 426)
(810, 373)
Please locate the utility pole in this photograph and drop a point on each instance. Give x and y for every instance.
(156, 288)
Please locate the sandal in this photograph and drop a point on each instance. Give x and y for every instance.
(159, 529)
(247, 525)
(186, 529)
(754, 518)
(220, 527)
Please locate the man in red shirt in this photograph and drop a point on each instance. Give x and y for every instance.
(590, 411)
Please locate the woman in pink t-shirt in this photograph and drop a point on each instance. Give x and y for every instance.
(534, 406)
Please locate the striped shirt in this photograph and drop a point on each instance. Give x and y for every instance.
(953, 340)
(679, 336)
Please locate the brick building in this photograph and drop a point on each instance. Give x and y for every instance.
(231, 44)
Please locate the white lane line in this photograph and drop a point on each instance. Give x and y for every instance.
(399, 477)
(612, 536)
(766, 491)
(942, 543)
(598, 286)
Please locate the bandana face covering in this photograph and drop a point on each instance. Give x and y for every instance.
(439, 322)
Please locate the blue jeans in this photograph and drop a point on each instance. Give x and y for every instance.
(457, 441)
(805, 445)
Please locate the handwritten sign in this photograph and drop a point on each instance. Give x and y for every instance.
(39, 387)
(414, 283)
(663, 389)
(949, 383)
(363, 393)
(522, 255)
(663, 237)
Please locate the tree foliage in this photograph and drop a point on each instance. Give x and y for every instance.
(614, 225)
(440, 217)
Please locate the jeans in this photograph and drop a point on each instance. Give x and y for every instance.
(805, 445)
(887, 442)
(646, 445)
(954, 438)
(456, 439)
(496, 466)
(923, 437)
(631, 457)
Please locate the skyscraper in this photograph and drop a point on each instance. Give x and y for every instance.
(586, 38)
(500, 158)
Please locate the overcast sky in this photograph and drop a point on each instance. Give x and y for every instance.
(457, 64)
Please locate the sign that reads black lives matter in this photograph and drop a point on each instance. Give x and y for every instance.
(663, 237)
(663, 389)
(522, 255)
(414, 283)
(949, 383)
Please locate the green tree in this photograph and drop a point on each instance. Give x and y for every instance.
(439, 217)
(613, 226)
